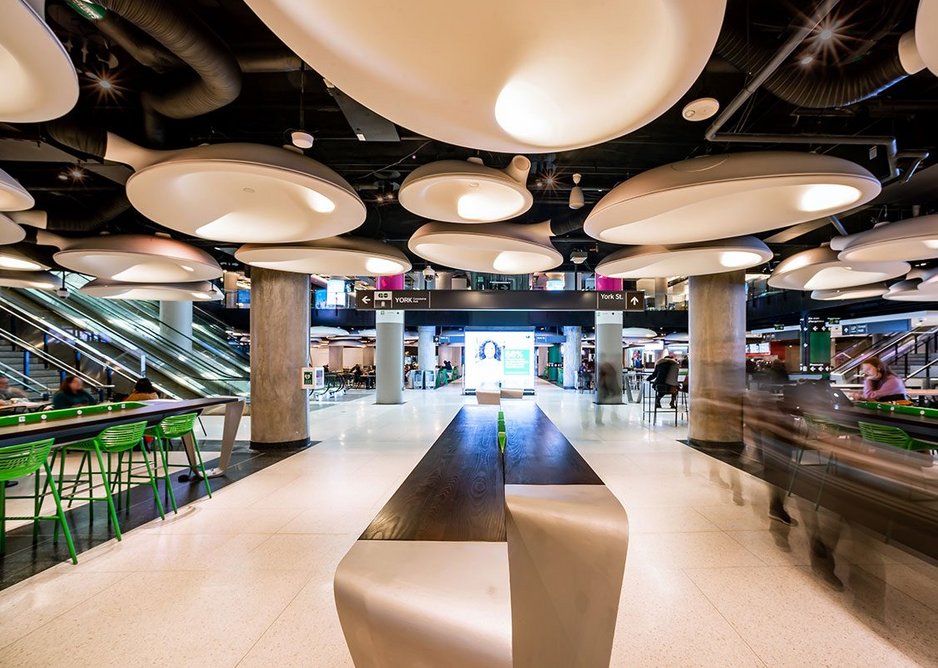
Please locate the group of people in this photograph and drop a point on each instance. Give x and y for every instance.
(72, 393)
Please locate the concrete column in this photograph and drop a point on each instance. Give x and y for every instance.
(543, 353)
(717, 321)
(176, 323)
(443, 280)
(572, 345)
(279, 349)
(661, 293)
(389, 357)
(336, 358)
(608, 350)
(426, 348)
(230, 286)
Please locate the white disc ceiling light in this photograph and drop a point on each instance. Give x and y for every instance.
(13, 196)
(15, 260)
(689, 260)
(37, 79)
(857, 292)
(244, 193)
(500, 248)
(716, 197)
(466, 191)
(199, 291)
(38, 280)
(137, 258)
(516, 77)
(910, 239)
(335, 256)
(10, 232)
(820, 269)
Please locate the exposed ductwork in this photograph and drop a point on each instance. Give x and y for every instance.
(73, 223)
(178, 94)
(819, 85)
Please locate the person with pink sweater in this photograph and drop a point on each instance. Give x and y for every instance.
(880, 383)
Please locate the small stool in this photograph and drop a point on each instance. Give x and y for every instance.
(119, 439)
(179, 426)
(17, 461)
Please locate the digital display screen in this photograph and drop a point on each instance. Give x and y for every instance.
(497, 359)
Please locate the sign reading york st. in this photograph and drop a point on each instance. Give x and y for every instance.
(499, 300)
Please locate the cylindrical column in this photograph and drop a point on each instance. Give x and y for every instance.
(608, 356)
(176, 323)
(717, 321)
(426, 348)
(389, 357)
(336, 358)
(606, 284)
(443, 280)
(661, 293)
(572, 344)
(230, 286)
(279, 349)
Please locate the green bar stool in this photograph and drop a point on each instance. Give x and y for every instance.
(172, 427)
(17, 461)
(894, 436)
(120, 440)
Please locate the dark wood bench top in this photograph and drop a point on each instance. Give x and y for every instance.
(457, 491)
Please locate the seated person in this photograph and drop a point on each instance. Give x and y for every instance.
(72, 394)
(143, 391)
(880, 383)
(7, 393)
(665, 379)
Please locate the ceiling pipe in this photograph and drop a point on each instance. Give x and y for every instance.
(713, 133)
(217, 80)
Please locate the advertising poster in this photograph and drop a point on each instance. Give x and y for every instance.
(497, 359)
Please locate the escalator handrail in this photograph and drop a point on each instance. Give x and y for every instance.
(24, 380)
(54, 361)
(903, 340)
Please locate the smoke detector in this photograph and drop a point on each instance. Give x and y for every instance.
(700, 109)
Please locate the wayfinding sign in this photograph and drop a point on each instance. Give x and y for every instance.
(499, 300)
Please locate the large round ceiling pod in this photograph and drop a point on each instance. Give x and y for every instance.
(500, 248)
(38, 280)
(638, 333)
(819, 269)
(10, 232)
(39, 82)
(466, 191)
(244, 193)
(136, 258)
(516, 77)
(686, 260)
(200, 291)
(716, 197)
(14, 259)
(335, 256)
(857, 292)
(926, 33)
(910, 239)
(13, 196)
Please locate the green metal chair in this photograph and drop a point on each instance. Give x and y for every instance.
(18, 461)
(817, 429)
(173, 427)
(117, 440)
(894, 436)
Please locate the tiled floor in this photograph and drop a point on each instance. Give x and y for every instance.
(245, 578)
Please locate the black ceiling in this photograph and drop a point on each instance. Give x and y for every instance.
(271, 103)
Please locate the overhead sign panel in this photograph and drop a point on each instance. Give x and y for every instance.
(499, 300)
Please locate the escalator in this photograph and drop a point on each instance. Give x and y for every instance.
(911, 355)
(124, 346)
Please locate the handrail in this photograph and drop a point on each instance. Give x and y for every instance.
(54, 361)
(923, 368)
(23, 380)
(898, 344)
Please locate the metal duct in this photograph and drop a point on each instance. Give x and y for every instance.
(179, 94)
(820, 86)
(72, 223)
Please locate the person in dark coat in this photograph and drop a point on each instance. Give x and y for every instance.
(665, 379)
